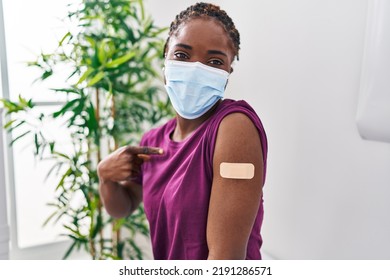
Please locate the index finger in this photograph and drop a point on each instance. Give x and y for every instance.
(144, 150)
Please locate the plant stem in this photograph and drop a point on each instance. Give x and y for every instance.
(114, 239)
(97, 116)
(91, 242)
(115, 232)
(93, 249)
(99, 158)
(113, 115)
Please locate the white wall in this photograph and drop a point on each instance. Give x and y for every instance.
(327, 190)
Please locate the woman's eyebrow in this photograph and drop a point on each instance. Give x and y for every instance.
(216, 52)
(184, 46)
(188, 47)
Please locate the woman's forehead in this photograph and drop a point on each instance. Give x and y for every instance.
(204, 30)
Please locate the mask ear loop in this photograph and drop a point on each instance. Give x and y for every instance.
(231, 70)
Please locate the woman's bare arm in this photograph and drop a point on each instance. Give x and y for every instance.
(234, 203)
(119, 193)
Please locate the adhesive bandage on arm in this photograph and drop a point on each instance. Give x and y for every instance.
(230, 170)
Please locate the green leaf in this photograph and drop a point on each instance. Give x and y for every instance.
(63, 38)
(65, 108)
(8, 124)
(96, 79)
(120, 60)
(69, 251)
(136, 249)
(75, 231)
(85, 75)
(57, 166)
(46, 74)
(63, 177)
(13, 107)
(51, 145)
(61, 155)
(106, 50)
(37, 144)
(67, 90)
(48, 219)
(91, 41)
(142, 9)
(97, 227)
(19, 137)
(118, 224)
(128, 30)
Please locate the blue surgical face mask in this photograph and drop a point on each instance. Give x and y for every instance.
(193, 87)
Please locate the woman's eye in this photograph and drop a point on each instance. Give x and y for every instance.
(181, 55)
(216, 62)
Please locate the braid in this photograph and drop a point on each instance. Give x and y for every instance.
(212, 11)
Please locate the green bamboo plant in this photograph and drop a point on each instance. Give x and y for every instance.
(113, 95)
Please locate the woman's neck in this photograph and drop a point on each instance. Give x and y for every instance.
(185, 127)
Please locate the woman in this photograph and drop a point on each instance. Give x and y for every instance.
(201, 174)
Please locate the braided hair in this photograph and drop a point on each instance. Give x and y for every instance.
(205, 9)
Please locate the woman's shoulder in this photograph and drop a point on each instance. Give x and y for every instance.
(239, 112)
(230, 106)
